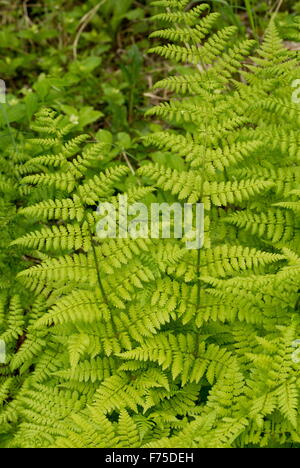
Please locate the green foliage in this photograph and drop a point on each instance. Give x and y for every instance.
(143, 343)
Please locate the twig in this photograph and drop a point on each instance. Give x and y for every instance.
(130, 165)
(279, 4)
(128, 162)
(29, 258)
(83, 24)
(27, 19)
(155, 97)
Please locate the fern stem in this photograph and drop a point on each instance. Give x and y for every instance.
(98, 269)
(297, 303)
(198, 278)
